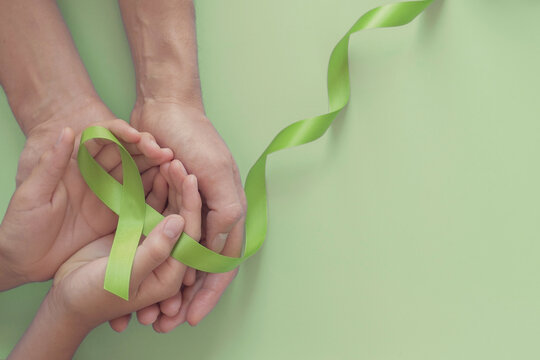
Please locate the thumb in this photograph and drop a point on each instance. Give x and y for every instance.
(156, 248)
(51, 167)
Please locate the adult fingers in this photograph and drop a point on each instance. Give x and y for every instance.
(149, 156)
(225, 234)
(171, 306)
(167, 323)
(153, 154)
(120, 323)
(148, 315)
(214, 285)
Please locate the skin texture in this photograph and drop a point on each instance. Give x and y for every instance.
(162, 37)
(43, 77)
(77, 302)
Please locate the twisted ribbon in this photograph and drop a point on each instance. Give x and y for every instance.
(136, 217)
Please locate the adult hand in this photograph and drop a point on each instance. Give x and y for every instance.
(68, 215)
(193, 139)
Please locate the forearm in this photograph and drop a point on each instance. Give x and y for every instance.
(163, 43)
(51, 335)
(40, 69)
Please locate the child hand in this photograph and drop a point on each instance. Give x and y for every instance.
(77, 290)
(53, 213)
(77, 302)
(184, 199)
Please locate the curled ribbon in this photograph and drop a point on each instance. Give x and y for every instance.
(136, 217)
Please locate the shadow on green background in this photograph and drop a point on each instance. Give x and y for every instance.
(416, 217)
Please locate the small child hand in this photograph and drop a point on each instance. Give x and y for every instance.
(77, 302)
(78, 292)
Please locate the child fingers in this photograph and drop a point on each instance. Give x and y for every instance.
(156, 248)
(157, 198)
(177, 175)
(172, 207)
(148, 179)
(171, 306)
(50, 169)
(191, 207)
(190, 277)
(191, 212)
(120, 323)
(148, 315)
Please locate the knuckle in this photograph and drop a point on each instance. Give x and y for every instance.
(118, 122)
(146, 134)
(157, 253)
(169, 286)
(233, 213)
(221, 161)
(243, 201)
(45, 157)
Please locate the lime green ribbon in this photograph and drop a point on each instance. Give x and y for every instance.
(136, 217)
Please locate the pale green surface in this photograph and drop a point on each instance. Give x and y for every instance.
(425, 193)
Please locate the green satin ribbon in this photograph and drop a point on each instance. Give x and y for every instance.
(136, 217)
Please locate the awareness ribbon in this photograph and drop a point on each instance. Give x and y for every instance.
(136, 217)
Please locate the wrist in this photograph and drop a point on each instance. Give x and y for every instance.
(164, 49)
(148, 113)
(77, 112)
(54, 306)
(53, 333)
(163, 86)
(40, 102)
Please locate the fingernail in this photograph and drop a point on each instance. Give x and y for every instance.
(59, 140)
(220, 240)
(193, 179)
(173, 227)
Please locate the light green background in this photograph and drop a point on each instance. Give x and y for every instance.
(411, 231)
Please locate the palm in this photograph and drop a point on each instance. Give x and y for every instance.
(85, 219)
